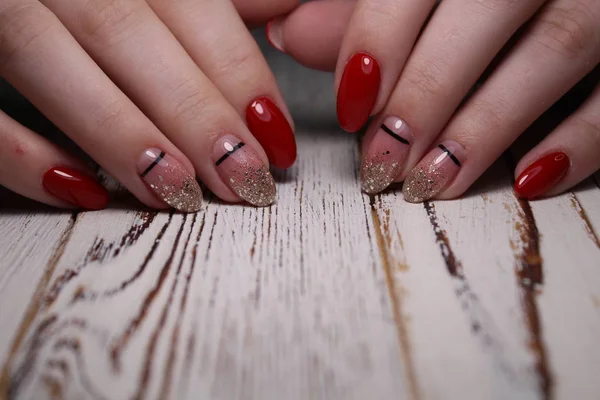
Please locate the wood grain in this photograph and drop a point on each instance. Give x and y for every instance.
(329, 294)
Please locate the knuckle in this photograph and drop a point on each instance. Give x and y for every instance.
(108, 18)
(237, 59)
(485, 116)
(107, 119)
(497, 5)
(189, 102)
(592, 129)
(21, 25)
(571, 31)
(426, 80)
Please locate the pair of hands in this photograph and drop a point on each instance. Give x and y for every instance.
(158, 92)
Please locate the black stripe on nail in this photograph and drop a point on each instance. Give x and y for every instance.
(394, 135)
(226, 155)
(452, 156)
(154, 163)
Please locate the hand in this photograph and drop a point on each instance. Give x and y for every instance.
(414, 73)
(155, 91)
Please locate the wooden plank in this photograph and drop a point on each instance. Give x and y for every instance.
(455, 267)
(234, 302)
(32, 235)
(569, 302)
(329, 294)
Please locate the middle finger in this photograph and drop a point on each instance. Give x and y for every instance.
(142, 56)
(457, 45)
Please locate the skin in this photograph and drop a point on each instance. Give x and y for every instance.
(119, 77)
(531, 53)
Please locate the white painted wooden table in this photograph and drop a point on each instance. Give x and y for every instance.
(329, 294)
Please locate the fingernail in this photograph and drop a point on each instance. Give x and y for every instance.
(435, 171)
(169, 180)
(542, 175)
(76, 188)
(385, 156)
(243, 170)
(274, 32)
(272, 130)
(358, 91)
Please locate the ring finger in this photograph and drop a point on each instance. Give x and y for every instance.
(561, 46)
(42, 60)
(455, 48)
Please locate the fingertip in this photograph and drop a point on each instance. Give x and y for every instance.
(312, 34)
(274, 33)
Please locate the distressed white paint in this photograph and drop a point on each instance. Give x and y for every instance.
(294, 301)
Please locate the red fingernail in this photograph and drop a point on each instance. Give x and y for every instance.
(272, 130)
(358, 91)
(542, 175)
(75, 188)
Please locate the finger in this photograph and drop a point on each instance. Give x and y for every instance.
(379, 39)
(258, 13)
(561, 46)
(455, 48)
(231, 59)
(126, 36)
(43, 61)
(564, 158)
(312, 34)
(36, 168)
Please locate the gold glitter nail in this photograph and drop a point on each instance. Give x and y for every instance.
(247, 175)
(420, 185)
(377, 174)
(255, 185)
(170, 181)
(435, 171)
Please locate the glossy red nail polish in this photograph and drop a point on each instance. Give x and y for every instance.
(542, 175)
(76, 188)
(358, 91)
(272, 130)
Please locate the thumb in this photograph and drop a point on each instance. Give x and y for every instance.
(312, 34)
(257, 13)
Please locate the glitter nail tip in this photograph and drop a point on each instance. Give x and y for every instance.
(435, 171)
(385, 155)
(242, 169)
(170, 181)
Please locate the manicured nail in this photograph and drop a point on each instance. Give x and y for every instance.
(542, 175)
(435, 171)
(358, 91)
(385, 156)
(170, 181)
(243, 170)
(76, 188)
(274, 32)
(272, 130)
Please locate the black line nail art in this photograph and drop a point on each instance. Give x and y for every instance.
(452, 156)
(230, 152)
(154, 163)
(394, 135)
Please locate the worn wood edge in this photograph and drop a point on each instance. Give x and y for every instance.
(587, 224)
(529, 273)
(34, 307)
(396, 300)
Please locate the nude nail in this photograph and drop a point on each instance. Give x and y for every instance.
(274, 33)
(243, 171)
(384, 158)
(435, 171)
(169, 180)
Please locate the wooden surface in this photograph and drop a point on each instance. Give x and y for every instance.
(329, 294)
